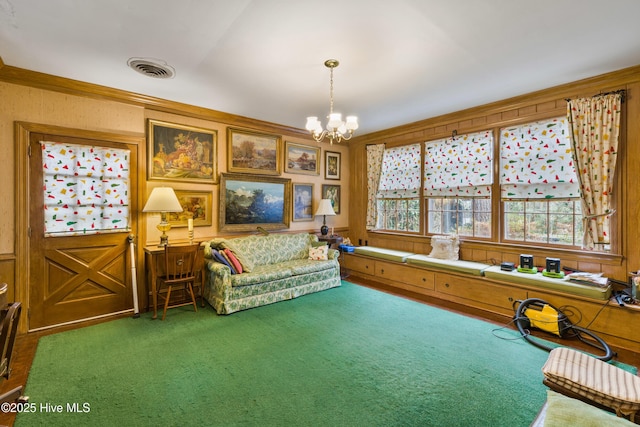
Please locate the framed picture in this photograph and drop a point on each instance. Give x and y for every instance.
(248, 202)
(302, 202)
(332, 192)
(302, 159)
(196, 205)
(253, 152)
(331, 165)
(182, 153)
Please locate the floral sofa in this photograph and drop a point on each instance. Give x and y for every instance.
(274, 267)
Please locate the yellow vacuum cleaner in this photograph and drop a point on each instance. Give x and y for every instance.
(539, 314)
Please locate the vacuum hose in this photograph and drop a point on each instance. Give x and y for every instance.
(522, 322)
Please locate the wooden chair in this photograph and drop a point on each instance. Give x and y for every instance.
(9, 318)
(180, 272)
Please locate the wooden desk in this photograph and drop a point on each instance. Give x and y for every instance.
(154, 261)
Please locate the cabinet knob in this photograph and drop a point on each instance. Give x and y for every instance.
(446, 285)
(424, 279)
(382, 271)
(510, 299)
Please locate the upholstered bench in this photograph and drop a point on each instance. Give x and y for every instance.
(382, 253)
(467, 267)
(584, 377)
(541, 281)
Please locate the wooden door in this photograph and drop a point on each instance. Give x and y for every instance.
(72, 278)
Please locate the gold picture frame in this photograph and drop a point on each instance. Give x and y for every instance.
(253, 152)
(196, 205)
(332, 160)
(249, 201)
(301, 159)
(181, 153)
(332, 192)
(302, 202)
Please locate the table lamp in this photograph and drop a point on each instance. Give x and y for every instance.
(325, 208)
(163, 200)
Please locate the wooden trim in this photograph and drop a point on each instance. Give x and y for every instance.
(44, 81)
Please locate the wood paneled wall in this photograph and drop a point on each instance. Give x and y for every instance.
(535, 106)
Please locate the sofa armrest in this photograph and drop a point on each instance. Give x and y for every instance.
(218, 279)
(333, 254)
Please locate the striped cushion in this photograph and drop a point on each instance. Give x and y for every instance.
(593, 379)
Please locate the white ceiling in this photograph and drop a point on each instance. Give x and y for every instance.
(400, 61)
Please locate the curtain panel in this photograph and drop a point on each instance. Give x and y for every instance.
(594, 125)
(374, 166)
(86, 189)
(536, 161)
(460, 166)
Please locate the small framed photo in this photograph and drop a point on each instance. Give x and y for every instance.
(332, 192)
(302, 159)
(253, 152)
(196, 205)
(331, 165)
(182, 153)
(302, 202)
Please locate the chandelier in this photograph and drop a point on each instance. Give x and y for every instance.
(337, 129)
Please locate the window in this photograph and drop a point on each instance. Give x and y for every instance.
(458, 173)
(398, 197)
(86, 189)
(538, 183)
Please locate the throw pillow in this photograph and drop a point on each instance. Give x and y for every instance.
(221, 259)
(234, 261)
(319, 254)
(221, 243)
(229, 263)
(445, 247)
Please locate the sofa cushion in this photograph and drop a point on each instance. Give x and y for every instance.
(467, 267)
(272, 249)
(299, 267)
(541, 281)
(593, 379)
(388, 254)
(564, 411)
(261, 274)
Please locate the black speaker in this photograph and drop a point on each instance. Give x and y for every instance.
(553, 265)
(526, 261)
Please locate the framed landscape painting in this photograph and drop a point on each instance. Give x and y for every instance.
(302, 202)
(331, 165)
(248, 202)
(182, 153)
(196, 205)
(332, 192)
(302, 159)
(253, 152)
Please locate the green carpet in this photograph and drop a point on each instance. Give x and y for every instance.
(349, 356)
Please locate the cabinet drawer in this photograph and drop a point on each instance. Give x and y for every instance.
(405, 274)
(483, 292)
(362, 265)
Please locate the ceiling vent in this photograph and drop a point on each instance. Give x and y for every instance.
(152, 68)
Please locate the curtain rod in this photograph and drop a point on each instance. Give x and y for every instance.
(613, 92)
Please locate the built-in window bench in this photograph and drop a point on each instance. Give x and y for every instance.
(491, 289)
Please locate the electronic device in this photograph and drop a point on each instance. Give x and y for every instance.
(507, 266)
(526, 261)
(553, 265)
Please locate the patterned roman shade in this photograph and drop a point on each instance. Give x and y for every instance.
(86, 189)
(536, 162)
(400, 174)
(459, 166)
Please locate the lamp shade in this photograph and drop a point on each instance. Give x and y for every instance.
(162, 199)
(325, 208)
